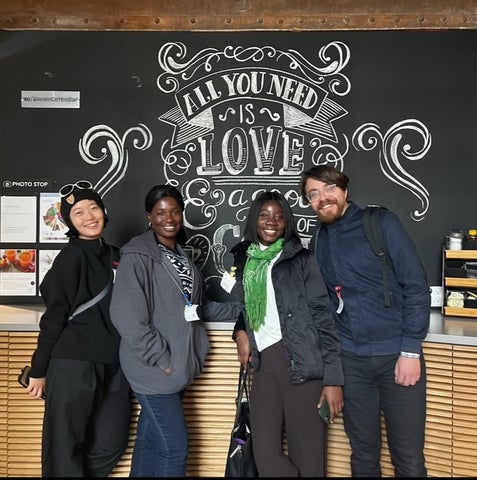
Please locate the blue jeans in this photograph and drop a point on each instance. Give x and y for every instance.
(370, 389)
(160, 449)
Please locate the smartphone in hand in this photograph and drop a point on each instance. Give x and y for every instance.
(24, 378)
(324, 411)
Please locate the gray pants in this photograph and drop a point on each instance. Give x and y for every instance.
(86, 421)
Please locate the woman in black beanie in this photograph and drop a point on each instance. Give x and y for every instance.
(76, 365)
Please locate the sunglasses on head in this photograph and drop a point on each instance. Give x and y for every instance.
(65, 190)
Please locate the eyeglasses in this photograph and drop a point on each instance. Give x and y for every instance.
(65, 190)
(315, 195)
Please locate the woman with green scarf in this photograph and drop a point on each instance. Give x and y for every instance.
(289, 336)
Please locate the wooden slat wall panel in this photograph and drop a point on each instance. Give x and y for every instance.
(338, 450)
(451, 437)
(464, 411)
(3, 402)
(210, 408)
(123, 467)
(387, 469)
(438, 446)
(25, 413)
(25, 416)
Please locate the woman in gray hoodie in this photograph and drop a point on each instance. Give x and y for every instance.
(158, 306)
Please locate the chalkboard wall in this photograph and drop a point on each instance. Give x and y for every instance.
(225, 115)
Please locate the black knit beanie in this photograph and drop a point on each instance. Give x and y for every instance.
(75, 196)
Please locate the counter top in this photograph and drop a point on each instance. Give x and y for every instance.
(442, 329)
(20, 318)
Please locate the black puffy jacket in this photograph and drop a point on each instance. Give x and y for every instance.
(309, 336)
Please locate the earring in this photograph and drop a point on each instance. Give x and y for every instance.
(149, 225)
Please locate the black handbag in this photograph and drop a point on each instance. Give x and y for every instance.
(240, 461)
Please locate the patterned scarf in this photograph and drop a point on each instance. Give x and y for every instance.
(255, 281)
(181, 264)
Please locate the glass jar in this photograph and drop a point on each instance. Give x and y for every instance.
(455, 299)
(454, 240)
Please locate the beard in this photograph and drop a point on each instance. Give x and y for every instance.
(332, 213)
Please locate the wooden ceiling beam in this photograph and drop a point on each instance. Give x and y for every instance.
(237, 15)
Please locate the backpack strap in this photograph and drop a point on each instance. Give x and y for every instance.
(374, 235)
(314, 245)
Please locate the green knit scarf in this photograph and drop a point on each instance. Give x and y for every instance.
(255, 281)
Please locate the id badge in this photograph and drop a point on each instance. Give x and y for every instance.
(190, 313)
(227, 282)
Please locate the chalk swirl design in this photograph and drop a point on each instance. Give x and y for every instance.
(114, 147)
(172, 58)
(394, 145)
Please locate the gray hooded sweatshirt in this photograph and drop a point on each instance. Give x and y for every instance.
(148, 310)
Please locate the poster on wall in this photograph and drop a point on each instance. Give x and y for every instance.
(18, 219)
(52, 225)
(17, 272)
(45, 261)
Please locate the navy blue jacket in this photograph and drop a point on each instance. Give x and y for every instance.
(366, 326)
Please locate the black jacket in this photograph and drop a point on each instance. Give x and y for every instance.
(79, 272)
(309, 337)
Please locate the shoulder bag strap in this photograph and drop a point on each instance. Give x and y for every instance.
(243, 389)
(84, 306)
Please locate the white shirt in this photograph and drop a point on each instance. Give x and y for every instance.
(270, 332)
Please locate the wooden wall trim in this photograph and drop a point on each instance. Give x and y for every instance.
(209, 406)
(237, 15)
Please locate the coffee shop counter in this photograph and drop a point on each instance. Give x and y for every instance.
(451, 330)
(450, 349)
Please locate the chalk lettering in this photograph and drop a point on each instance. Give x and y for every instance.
(293, 152)
(206, 167)
(264, 151)
(235, 150)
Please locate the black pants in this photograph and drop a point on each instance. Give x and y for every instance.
(278, 407)
(86, 421)
(369, 390)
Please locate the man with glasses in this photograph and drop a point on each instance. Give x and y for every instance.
(381, 345)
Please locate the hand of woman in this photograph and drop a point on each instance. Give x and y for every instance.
(36, 387)
(334, 396)
(243, 347)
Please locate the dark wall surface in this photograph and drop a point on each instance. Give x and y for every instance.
(226, 115)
